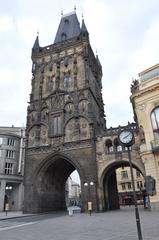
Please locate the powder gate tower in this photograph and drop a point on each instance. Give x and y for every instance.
(65, 113)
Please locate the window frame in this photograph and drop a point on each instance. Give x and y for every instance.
(155, 122)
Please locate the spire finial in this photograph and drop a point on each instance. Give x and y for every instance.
(82, 17)
(62, 13)
(38, 32)
(96, 52)
(75, 8)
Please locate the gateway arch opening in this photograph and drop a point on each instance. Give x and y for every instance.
(52, 191)
(117, 186)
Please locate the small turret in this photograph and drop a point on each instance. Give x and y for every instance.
(36, 44)
(84, 32)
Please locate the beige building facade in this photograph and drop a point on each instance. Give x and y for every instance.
(124, 185)
(145, 100)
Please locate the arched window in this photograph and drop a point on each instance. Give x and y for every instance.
(155, 122)
(109, 146)
(118, 147)
(67, 81)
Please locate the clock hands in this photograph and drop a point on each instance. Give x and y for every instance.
(127, 135)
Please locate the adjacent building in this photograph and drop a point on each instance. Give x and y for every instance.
(145, 100)
(125, 190)
(12, 140)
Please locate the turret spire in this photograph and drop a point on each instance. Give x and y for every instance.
(83, 27)
(36, 43)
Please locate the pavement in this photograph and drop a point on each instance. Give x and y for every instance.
(13, 214)
(19, 214)
(112, 225)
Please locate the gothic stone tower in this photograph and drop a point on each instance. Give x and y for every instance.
(64, 116)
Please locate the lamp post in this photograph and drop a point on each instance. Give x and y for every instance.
(126, 138)
(89, 200)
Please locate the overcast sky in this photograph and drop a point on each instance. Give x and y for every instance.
(125, 34)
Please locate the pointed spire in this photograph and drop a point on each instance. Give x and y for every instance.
(83, 27)
(98, 59)
(36, 43)
(61, 13)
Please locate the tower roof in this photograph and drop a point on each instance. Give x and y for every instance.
(69, 27)
(36, 43)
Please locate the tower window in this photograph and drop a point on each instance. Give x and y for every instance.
(109, 146)
(66, 21)
(155, 122)
(67, 81)
(56, 126)
(118, 147)
(63, 36)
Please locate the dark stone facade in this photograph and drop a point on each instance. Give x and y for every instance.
(66, 127)
(65, 114)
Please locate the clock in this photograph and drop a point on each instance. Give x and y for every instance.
(126, 137)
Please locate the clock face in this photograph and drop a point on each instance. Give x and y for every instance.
(126, 137)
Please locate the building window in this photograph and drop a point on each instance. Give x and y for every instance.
(140, 185)
(138, 174)
(67, 82)
(155, 122)
(123, 186)
(9, 168)
(118, 147)
(63, 36)
(129, 185)
(56, 126)
(10, 154)
(109, 146)
(11, 142)
(124, 174)
(1, 140)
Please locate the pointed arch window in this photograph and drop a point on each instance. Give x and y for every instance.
(67, 81)
(109, 146)
(118, 147)
(56, 126)
(155, 122)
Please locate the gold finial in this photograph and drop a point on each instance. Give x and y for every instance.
(62, 13)
(75, 8)
(38, 32)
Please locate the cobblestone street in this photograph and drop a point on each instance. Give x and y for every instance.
(114, 225)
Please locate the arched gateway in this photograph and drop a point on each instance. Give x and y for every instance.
(64, 121)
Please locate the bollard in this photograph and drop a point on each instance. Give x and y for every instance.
(90, 208)
(6, 208)
(70, 212)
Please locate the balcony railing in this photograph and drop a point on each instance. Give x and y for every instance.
(155, 145)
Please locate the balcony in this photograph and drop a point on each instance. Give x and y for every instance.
(155, 146)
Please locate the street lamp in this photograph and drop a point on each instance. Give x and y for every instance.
(89, 203)
(126, 139)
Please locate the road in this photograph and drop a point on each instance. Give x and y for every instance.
(113, 225)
